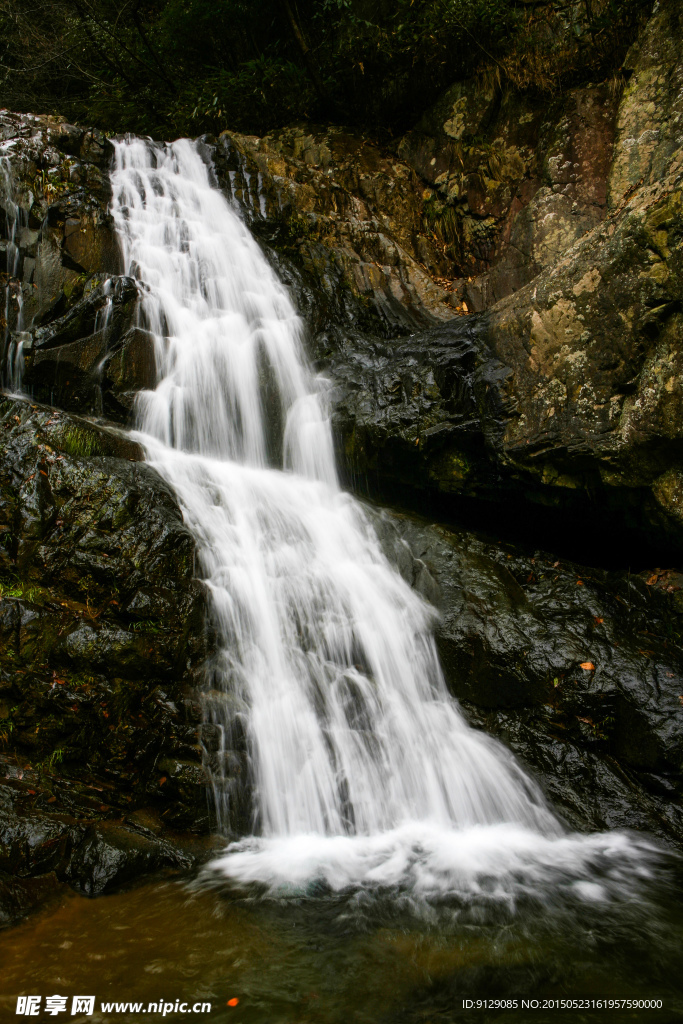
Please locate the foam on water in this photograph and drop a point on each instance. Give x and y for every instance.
(499, 863)
(362, 768)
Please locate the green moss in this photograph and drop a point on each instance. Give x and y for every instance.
(79, 442)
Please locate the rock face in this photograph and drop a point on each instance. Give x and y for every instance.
(516, 182)
(350, 215)
(68, 333)
(576, 669)
(568, 391)
(102, 631)
(56, 190)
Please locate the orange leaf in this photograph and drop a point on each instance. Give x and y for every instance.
(597, 620)
(162, 780)
(233, 1002)
(588, 666)
(579, 583)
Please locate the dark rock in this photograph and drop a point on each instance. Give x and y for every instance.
(91, 359)
(110, 854)
(57, 236)
(103, 633)
(578, 670)
(130, 368)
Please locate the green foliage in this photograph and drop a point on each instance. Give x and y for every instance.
(52, 762)
(7, 724)
(12, 588)
(171, 67)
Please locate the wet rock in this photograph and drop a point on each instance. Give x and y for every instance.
(103, 632)
(43, 850)
(350, 216)
(92, 360)
(21, 896)
(129, 368)
(56, 234)
(578, 670)
(110, 854)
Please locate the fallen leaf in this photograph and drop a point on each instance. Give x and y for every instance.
(233, 1002)
(681, 698)
(162, 780)
(579, 583)
(597, 620)
(588, 666)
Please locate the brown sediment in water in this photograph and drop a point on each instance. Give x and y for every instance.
(164, 942)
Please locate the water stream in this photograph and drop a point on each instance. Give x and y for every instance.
(363, 772)
(10, 286)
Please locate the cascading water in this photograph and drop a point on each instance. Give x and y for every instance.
(362, 768)
(13, 305)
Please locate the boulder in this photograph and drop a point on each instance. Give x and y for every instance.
(94, 359)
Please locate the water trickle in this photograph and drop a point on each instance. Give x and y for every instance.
(103, 315)
(327, 665)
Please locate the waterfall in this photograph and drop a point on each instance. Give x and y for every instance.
(15, 219)
(360, 762)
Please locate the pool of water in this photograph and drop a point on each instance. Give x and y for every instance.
(328, 958)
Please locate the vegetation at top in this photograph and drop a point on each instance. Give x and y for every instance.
(174, 67)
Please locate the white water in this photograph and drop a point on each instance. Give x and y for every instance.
(14, 359)
(363, 769)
